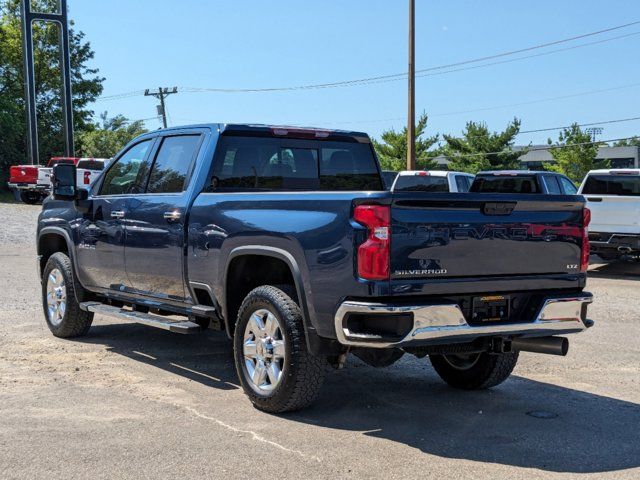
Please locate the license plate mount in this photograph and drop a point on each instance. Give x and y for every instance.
(491, 308)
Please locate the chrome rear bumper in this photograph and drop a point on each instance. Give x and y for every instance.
(445, 323)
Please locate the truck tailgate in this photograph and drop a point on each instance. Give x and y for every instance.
(453, 235)
(614, 213)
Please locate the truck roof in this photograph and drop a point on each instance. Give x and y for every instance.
(432, 173)
(615, 171)
(258, 129)
(513, 172)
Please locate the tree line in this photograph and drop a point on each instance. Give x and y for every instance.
(477, 148)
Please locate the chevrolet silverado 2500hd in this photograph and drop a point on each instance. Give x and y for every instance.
(287, 240)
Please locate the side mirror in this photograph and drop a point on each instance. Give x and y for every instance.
(64, 182)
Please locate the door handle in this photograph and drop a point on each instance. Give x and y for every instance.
(117, 214)
(172, 216)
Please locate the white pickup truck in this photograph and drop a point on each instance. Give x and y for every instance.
(87, 169)
(432, 181)
(613, 197)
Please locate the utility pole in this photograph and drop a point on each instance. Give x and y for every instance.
(411, 114)
(161, 94)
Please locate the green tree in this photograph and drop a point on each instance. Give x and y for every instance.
(479, 149)
(392, 149)
(574, 153)
(105, 139)
(631, 142)
(86, 86)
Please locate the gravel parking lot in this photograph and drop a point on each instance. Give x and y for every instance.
(128, 401)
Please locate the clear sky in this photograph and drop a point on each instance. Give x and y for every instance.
(257, 43)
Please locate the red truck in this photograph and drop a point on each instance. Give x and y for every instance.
(25, 180)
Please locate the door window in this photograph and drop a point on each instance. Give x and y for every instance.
(568, 186)
(172, 164)
(129, 173)
(552, 185)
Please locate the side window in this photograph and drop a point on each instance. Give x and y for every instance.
(172, 163)
(552, 184)
(568, 186)
(129, 173)
(462, 183)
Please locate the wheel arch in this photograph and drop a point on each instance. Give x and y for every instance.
(278, 254)
(56, 239)
(52, 240)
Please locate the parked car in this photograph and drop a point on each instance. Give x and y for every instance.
(432, 181)
(613, 196)
(523, 181)
(32, 181)
(287, 240)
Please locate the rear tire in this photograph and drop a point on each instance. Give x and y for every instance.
(474, 371)
(29, 197)
(61, 309)
(275, 369)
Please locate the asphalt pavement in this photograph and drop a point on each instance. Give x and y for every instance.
(129, 401)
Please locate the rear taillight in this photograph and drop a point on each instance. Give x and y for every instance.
(584, 255)
(373, 254)
(87, 176)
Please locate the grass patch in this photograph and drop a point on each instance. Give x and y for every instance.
(7, 197)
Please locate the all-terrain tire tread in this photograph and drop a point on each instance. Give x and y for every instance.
(306, 371)
(76, 322)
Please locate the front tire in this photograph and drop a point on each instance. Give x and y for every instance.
(62, 311)
(474, 371)
(275, 369)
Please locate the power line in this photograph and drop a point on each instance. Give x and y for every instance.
(495, 107)
(118, 96)
(420, 73)
(607, 122)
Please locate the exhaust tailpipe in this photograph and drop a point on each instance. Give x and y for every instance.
(548, 345)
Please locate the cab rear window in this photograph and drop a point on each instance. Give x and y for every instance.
(612, 185)
(420, 183)
(505, 184)
(91, 164)
(258, 163)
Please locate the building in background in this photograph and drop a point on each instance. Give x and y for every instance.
(620, 157)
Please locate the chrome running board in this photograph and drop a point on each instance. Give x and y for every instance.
(157, 321)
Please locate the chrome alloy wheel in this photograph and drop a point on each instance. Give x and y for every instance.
(462, 362)
(56, 297)
(264, 351)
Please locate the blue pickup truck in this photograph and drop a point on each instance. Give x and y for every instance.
(287, 240)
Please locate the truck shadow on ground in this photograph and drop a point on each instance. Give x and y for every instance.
(407, 403)
(627, 270)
